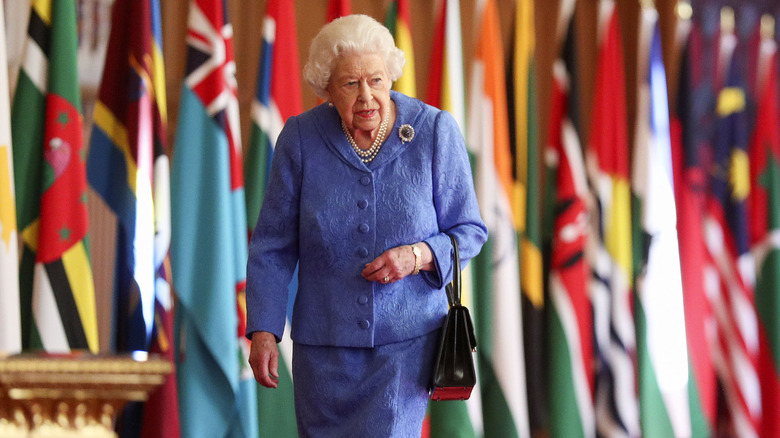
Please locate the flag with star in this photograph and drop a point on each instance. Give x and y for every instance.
(731, 285)
(217, 391)
(10, 325)
(56, 285)
(278, 97)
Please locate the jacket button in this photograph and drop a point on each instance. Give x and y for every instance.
(362, 252)
(364, 324)
(366, 180)
(363, 228)
(362, 299)
(362, 204)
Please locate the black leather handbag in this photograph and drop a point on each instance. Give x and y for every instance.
(454, 375)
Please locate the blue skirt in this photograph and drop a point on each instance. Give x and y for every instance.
(365, 392)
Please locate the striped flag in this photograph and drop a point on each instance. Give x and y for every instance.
(398, 20)
(497, 308)
(660, 319)
(764, 207)
(129, 168)
(217, 392)
(570, 319)
(446, 91)
(731, 279)
(161, 416)
(56, 285)
(688, 139)
(617, 410)
(526, 192)
(10, 324)
(277, 98)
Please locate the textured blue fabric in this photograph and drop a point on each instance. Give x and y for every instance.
(332, 213)
(363, 392)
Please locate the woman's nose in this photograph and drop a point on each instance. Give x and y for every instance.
(364, 92)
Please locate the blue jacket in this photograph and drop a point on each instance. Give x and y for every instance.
(330, 213)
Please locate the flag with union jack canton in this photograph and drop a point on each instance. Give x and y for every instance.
(217, 393)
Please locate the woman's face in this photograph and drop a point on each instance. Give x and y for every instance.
(359, 88)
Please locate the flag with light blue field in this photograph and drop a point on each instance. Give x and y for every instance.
(217, 393)
(278, 97)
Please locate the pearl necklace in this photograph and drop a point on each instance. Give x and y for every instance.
(369, 154)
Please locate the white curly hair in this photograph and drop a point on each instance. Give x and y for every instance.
(352, 34)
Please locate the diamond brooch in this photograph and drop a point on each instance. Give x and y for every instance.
(406, 133)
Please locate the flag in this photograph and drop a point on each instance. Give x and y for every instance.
(56, 286)
(662, 360)
(338, 8)
(10, 324)
(764, 207)
(570, 320)
(617, 410)
(398, 20)
(731, 278)
(527, 204)
(446, 91)
(161, 414)
(277, 98)
(128, 167)
(497, 308)
(217, 393)
(688, 140)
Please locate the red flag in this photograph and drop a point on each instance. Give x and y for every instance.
(690, 196)
(763, 204)
(338, 8)
(617, 410)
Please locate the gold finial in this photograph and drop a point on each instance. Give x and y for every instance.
(727, 20)
(767, 26)
(684, 10)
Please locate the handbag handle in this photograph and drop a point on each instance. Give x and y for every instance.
(454, 291)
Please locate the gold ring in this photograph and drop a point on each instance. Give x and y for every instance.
(387, 278)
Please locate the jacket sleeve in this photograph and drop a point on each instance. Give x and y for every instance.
(454, 200)
(273, 248)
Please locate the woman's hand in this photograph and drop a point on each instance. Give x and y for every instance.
(396, 263)
(264, 359)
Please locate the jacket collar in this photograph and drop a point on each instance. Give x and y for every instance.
(328, 124)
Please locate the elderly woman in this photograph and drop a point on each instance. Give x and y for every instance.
(362, 194)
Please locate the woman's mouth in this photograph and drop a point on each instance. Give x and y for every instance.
(367, 114)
